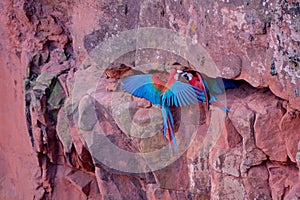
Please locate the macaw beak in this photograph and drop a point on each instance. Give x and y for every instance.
(178, 74)
(179, 71)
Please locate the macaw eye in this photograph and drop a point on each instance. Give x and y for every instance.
(187, 76)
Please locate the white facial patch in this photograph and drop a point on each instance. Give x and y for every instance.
(187, 76)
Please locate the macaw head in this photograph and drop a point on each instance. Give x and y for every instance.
(188, 76)
(182, 71)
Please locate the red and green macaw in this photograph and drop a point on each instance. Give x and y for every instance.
(164, 94)
(197, 80)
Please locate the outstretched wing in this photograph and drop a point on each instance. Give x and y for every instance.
(142, 86)
(182, 94)
(217, 85)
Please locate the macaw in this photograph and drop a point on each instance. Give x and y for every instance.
(164, 94)
(196, 79)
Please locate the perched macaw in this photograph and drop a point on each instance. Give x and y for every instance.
(164, 94)
(196, 79)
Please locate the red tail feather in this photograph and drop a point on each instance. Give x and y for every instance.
(169, 131)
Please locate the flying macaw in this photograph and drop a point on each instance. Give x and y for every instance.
(164, 94)
(196, 79)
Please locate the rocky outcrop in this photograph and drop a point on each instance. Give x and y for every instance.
(68, 131)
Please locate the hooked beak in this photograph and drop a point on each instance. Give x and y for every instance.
(178, 74)
(179, 71)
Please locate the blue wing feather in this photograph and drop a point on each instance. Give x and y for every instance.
(142, 86)
(180, 94)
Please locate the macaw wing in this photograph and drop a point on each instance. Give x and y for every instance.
(206, 90)
(182, 94)
(215, 85)
(142, 86)
(203, 80)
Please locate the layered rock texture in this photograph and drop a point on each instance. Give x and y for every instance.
(69, 132)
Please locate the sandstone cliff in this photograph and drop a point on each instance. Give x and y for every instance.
(61, 67)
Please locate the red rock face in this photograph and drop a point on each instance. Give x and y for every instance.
(63, 110)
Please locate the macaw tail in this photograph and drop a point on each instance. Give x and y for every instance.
(169, 125)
